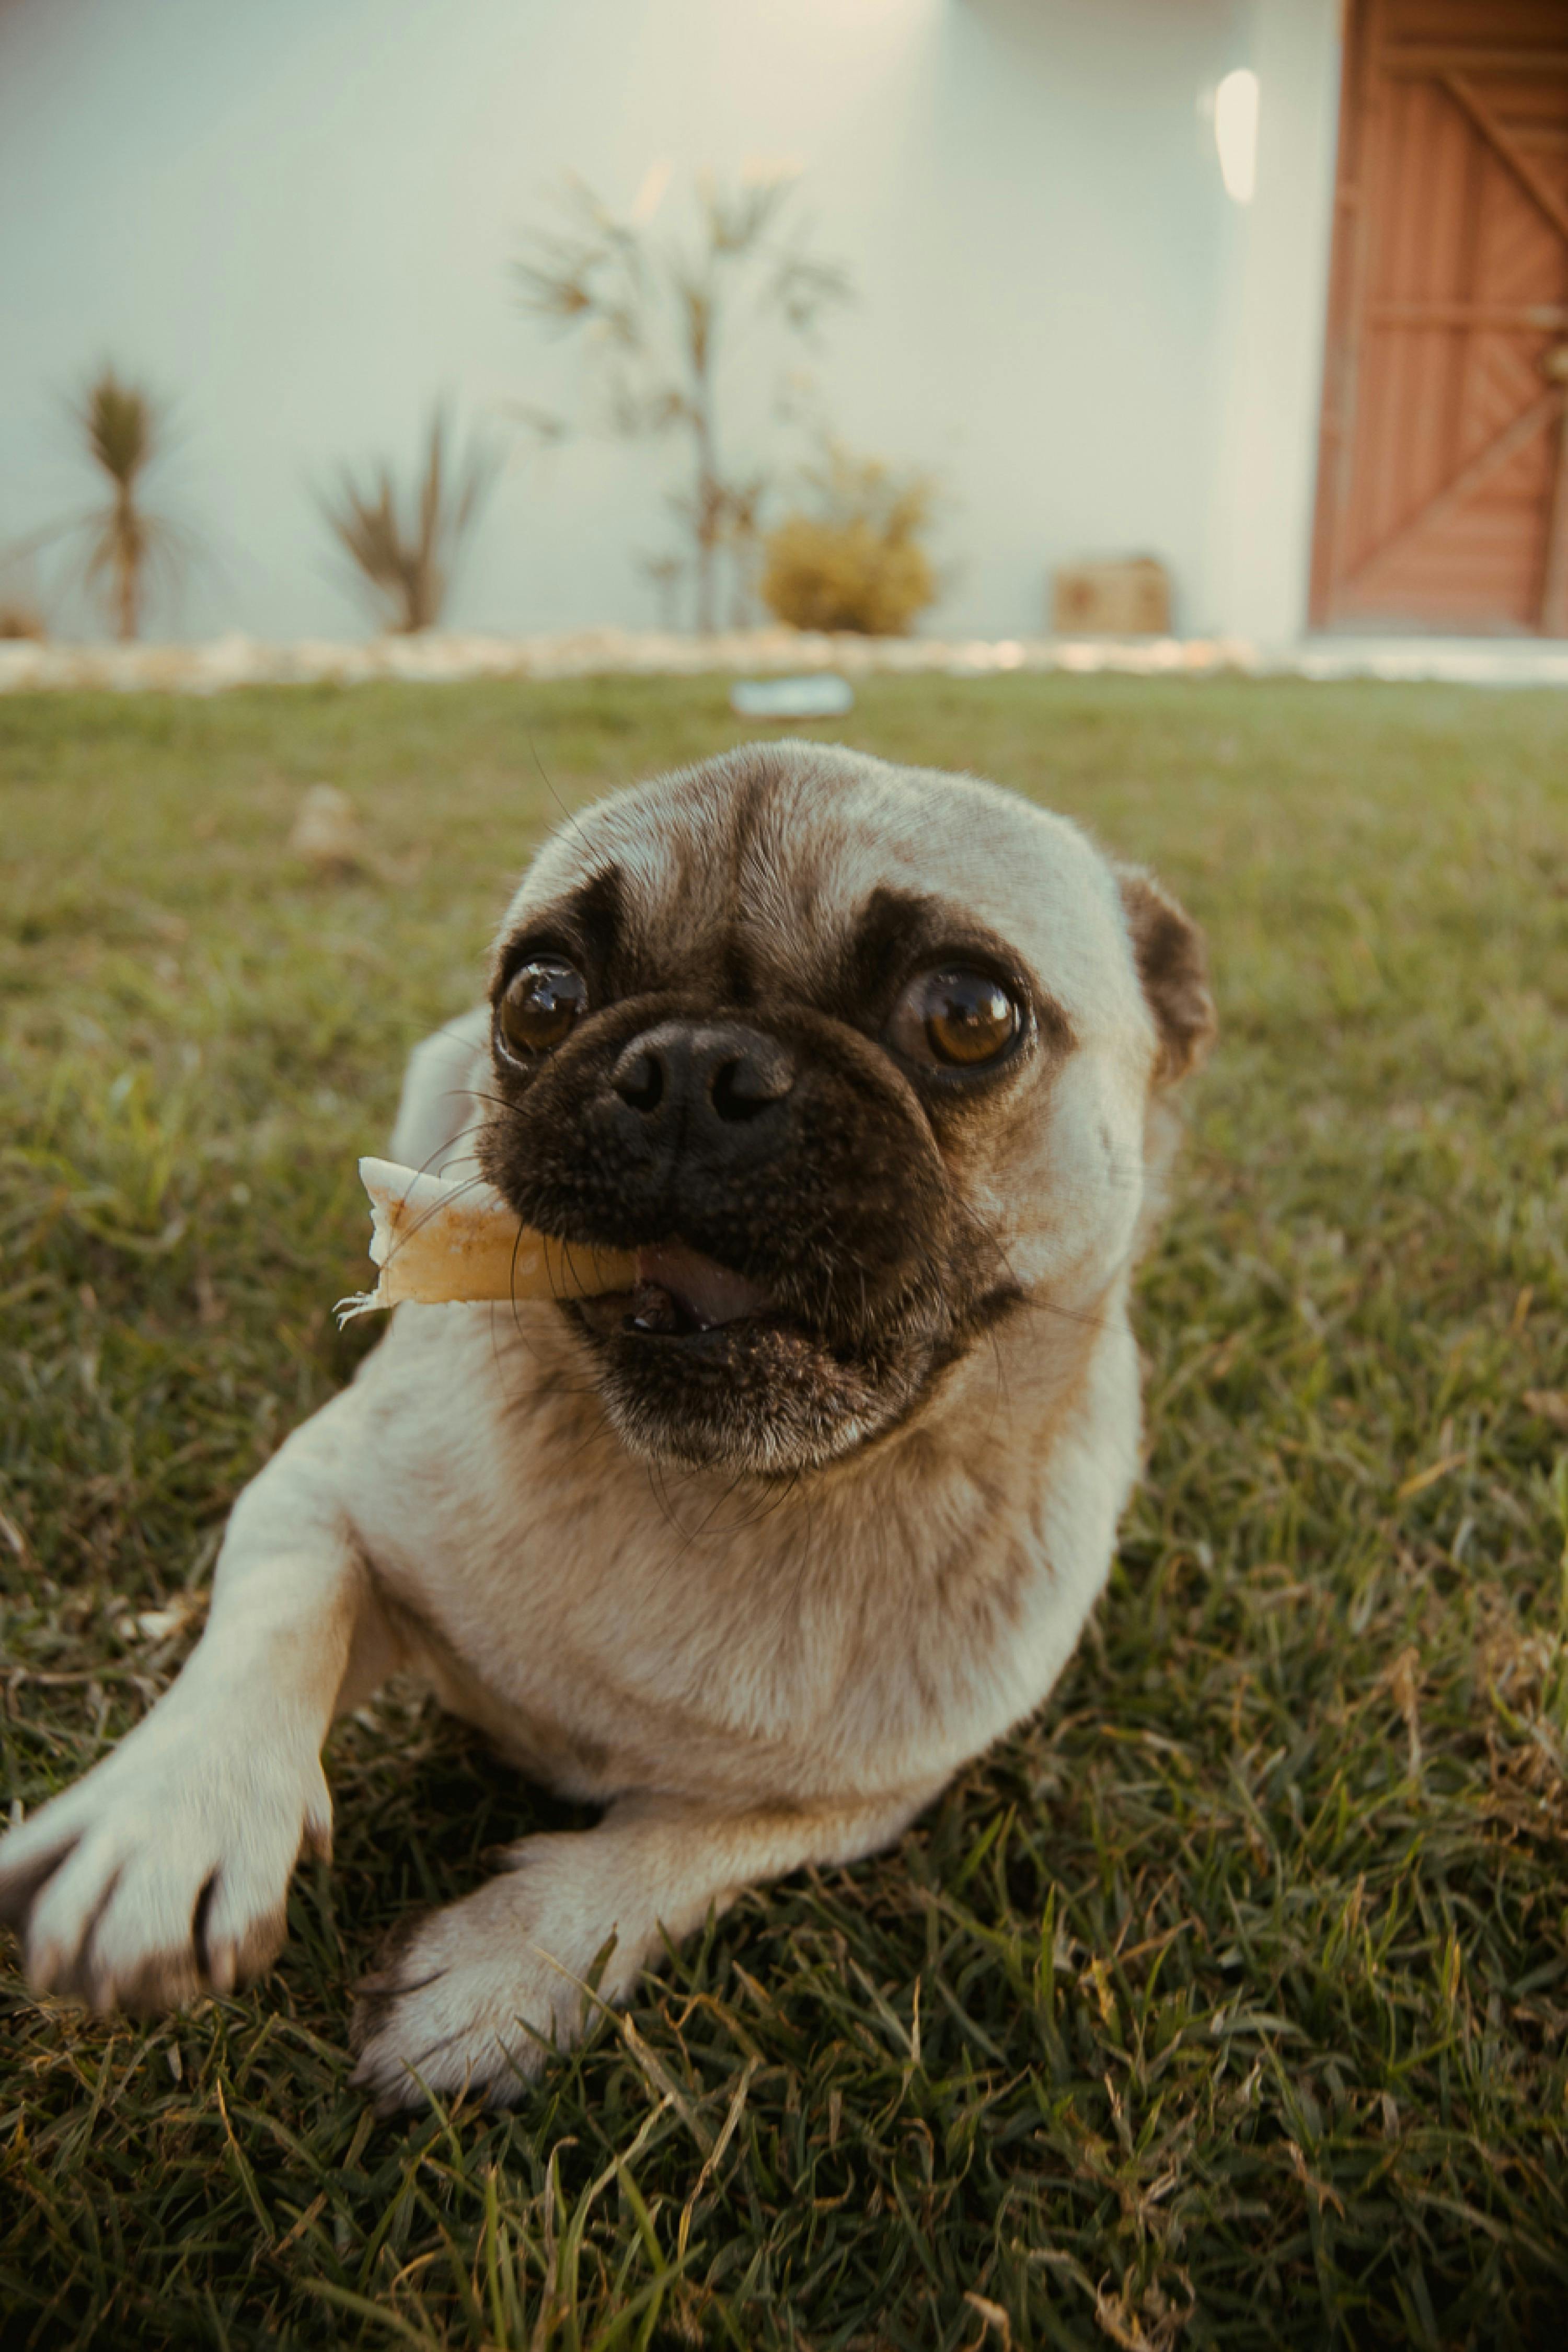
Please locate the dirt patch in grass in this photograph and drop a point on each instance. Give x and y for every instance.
(1225, 2004)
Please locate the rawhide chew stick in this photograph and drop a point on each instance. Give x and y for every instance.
(438, 1241)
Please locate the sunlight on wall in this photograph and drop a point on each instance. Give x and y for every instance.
(1235, 133)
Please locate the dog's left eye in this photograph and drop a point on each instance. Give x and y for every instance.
(956, 1017)
(542, 1005)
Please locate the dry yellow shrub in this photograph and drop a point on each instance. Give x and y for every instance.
(857, 563)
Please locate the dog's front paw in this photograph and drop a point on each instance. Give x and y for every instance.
(164, 1874)
(473, 1999)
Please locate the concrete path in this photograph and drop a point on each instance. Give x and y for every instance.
(223, 662)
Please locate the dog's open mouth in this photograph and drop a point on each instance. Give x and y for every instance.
(679, 1290)
(680, 1293)
(704, 1365)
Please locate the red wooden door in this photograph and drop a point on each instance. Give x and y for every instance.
(1443, 471)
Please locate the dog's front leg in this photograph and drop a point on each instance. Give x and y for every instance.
(471, 1998)
(164, 1873)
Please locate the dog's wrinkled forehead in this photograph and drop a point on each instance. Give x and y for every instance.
(777, 850)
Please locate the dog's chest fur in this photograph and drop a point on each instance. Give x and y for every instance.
(609, 1625)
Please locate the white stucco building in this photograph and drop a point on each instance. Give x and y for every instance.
(298, 220)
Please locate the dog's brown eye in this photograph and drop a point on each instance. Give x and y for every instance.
(542, 1005)
(954, 1017)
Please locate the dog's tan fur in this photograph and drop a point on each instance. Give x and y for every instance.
(747, 1689)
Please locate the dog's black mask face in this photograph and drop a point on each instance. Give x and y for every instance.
(788, 1207)
(745, 1096)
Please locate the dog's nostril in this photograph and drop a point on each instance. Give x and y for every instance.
(745, 1087)
(727, 1096)
(638, 1079)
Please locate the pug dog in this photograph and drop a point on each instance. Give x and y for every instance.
(871, 1066)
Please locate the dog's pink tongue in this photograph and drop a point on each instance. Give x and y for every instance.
(708, 1292)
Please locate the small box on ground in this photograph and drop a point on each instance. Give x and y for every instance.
(1127, 597)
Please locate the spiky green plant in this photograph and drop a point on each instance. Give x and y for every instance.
(406, 567)
(123, 429)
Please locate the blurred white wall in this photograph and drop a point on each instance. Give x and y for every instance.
(297, 219)
(1272, 330)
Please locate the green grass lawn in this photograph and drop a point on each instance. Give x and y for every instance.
(1225, 2004)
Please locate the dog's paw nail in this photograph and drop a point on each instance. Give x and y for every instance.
(165, 1879)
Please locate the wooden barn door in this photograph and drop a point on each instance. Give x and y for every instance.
(1443, 472)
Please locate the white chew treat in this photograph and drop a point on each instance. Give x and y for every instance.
(436, 1242)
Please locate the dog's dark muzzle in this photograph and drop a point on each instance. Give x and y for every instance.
(787, 1206)
(713, 1099)
(784, 1165)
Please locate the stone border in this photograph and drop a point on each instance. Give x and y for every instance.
(450, 655)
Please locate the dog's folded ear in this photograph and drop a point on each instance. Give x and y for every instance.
(1168, 949)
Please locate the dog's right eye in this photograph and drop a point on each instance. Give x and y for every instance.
(955, 1018)
(542, 1003)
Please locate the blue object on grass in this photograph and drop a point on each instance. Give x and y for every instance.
(820, 695)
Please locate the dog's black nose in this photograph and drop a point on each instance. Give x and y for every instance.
(716, 1088)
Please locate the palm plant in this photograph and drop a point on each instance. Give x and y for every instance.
(406, 567)
(123, 431)
(123, 428)
(664, 317)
